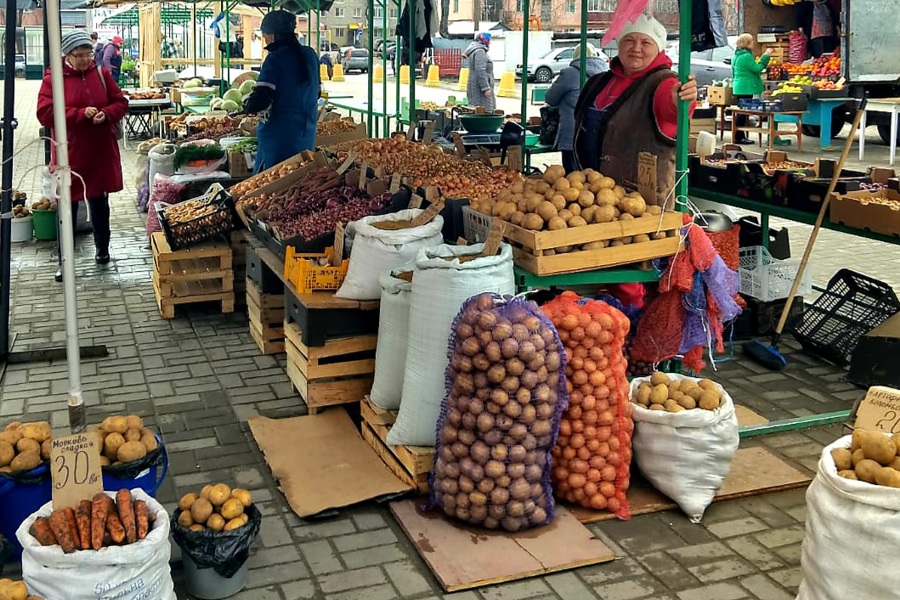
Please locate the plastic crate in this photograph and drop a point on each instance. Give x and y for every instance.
(767, 279)
(476, 225)
(851, 306)
(301, 270)
(215, 215)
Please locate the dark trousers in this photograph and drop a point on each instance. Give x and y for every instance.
(568, 159)
(741, 119)
(99, 208)
(822, 45)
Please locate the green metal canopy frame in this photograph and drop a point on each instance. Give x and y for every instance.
(172, 14)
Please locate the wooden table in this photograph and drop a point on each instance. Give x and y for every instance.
(886, 105)
(772, 129)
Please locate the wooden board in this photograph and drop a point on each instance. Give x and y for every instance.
(591, 260)
(418, 483)
(163, 255)
(754, 471)
(747, 417)
(464, 557)
(263, 300)
(266, 332)
(275, 346)
(166, 302)
(412, 464)
(183, 288)
(322, 393)
(342, 357)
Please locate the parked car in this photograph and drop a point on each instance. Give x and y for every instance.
(356, 59)
(543, 70)
(709, 65)
(20, 65)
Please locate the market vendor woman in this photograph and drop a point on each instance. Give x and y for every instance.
(286, 93)
(632, 108)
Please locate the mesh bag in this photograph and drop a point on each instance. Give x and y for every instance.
(591, 460)
(500, 417)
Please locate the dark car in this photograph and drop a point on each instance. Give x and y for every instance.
(356, 59)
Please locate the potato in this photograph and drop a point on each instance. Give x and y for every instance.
(197, 527)
(131, 451)
(134, 422)
(205, 490)
(111, 445)
(149, 441)
(687, 384)
(895, 464)
(687, 402)
(641, 237)
(867, 469)
(28, 445)
(556, 223)
(879, 448)
(533, 221)
(185, 519)
(888, 477)
(13, 590)
(244, 495)
(25, 461)
(219, 494)
(604, 213)
(849, 474)
(11, 437)
(38, 431)
(565, 214)
(577, 222)
(12, 426)
(856, 439)
(657, 378)
(546, 210)
(672, 406)
(215, 522)
(843, 459)
(234, 524)
(517, 218)
(233, 508)
(552, 174)
(133, 435)
(104, 461)
(659, 395)
(857, 456)
(200, 510)
(709, 400)
(633, 205)
(642, 395)
(708, 384)
(186, 501)
(116, 424)
(654, 210)
(7, 453)
(245, 518)
(45, 450)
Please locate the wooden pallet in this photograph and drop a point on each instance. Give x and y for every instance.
(321, 316)
(265, 314)
(340, 372)
(411, 464)
(201, 273)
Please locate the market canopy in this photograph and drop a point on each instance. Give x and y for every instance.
(172, 14)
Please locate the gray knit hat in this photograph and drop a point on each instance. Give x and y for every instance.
(74, 39)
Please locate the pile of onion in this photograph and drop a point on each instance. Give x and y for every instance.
(592, 456)
(500, 418)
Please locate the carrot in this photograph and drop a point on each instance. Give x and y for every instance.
(114, 527)
(42, 532)
(125, 505)
(99, 512)
(83, 515)
(142, 516)
(59, 523)
(196, 163)
(73, 525)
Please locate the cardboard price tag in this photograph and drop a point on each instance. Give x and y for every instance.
(415, 201)
(396, 178)
(494, 238)
(880, 410)
(75, 468)
(338, 256)
(646, 177)
(347, 163)
(428, 215)
(363, 175)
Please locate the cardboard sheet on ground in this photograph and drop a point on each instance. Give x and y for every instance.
(321, 462)
(747, 417)
(463, 557)
(753, 471)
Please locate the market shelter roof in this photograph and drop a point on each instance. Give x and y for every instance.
(172, 14)
(251, 7)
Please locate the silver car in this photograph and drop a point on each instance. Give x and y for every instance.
(709, 65)
(543, 70)
(356, 59)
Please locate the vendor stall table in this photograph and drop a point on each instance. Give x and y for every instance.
(362, 107)
(818, 114)
(886, 105)
(526, 281)
(143, 116)
(771, 129)
(537, 149)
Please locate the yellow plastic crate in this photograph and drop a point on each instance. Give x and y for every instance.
(300, 270)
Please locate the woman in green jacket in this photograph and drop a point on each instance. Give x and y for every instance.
(747, 76)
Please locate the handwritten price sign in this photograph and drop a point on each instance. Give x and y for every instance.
(75, 468)
(880, 410)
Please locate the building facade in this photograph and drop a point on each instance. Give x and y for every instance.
(347, 21)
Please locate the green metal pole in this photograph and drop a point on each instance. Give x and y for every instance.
(319, 28)
(684, 69)
(584, 11)
(384, 34)
(525, 16)
(398, 48)
(411, 4)
(370, 22)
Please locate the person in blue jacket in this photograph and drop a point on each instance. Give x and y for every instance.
(286, 93)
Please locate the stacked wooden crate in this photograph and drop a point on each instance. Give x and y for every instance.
(239, 247)
(201, 273)
(266, 316)
(411, 464)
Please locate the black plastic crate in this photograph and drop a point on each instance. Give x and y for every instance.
(216, 216)
(852, 305)
(320, 322)
(259, 273)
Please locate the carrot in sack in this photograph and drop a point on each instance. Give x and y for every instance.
(42, 532)
(83, 515)
(62, 531)
(124, 503)
(99, 511)
(142, 516)
(114, 527)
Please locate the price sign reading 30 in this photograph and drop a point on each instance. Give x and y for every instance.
(75, 468)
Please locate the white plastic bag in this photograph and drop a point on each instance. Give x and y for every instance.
(393, 334)
(50, 184)
(851, 536)
(134, 572)
(162, 160)
(685, 455)
(440, 287)
(375, 250)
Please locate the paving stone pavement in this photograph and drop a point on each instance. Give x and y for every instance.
(199, 377)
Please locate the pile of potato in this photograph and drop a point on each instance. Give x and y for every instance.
(492, 461)
(24, 446)
(559, 201)
(671, 395)
(873, 457)
(216, 508)
(15, 590)
(124, 440)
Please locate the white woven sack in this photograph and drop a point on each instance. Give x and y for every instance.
(132, 572)
(393, 334)
(685, 455)
(374, 250)
(440, 287)
(851, 538)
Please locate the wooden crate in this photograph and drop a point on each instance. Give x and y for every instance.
(410, 464)
(529, 247)
(265, 313)
(340, 372)
(201, 273)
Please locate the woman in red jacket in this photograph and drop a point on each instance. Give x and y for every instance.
(94, 105)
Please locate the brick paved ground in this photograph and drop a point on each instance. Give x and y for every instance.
(198, 378)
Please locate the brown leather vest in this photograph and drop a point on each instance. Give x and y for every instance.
(631, 128)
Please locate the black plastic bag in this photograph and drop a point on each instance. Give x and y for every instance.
(223, 551)
(34, 476)
(133, 469)
(549, 125)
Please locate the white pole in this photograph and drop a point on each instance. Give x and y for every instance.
(67, 243)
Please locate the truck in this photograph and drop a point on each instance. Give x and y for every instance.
(870, 52)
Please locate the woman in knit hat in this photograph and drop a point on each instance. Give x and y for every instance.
(480, 89)
(633, 108)
(94, 105)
